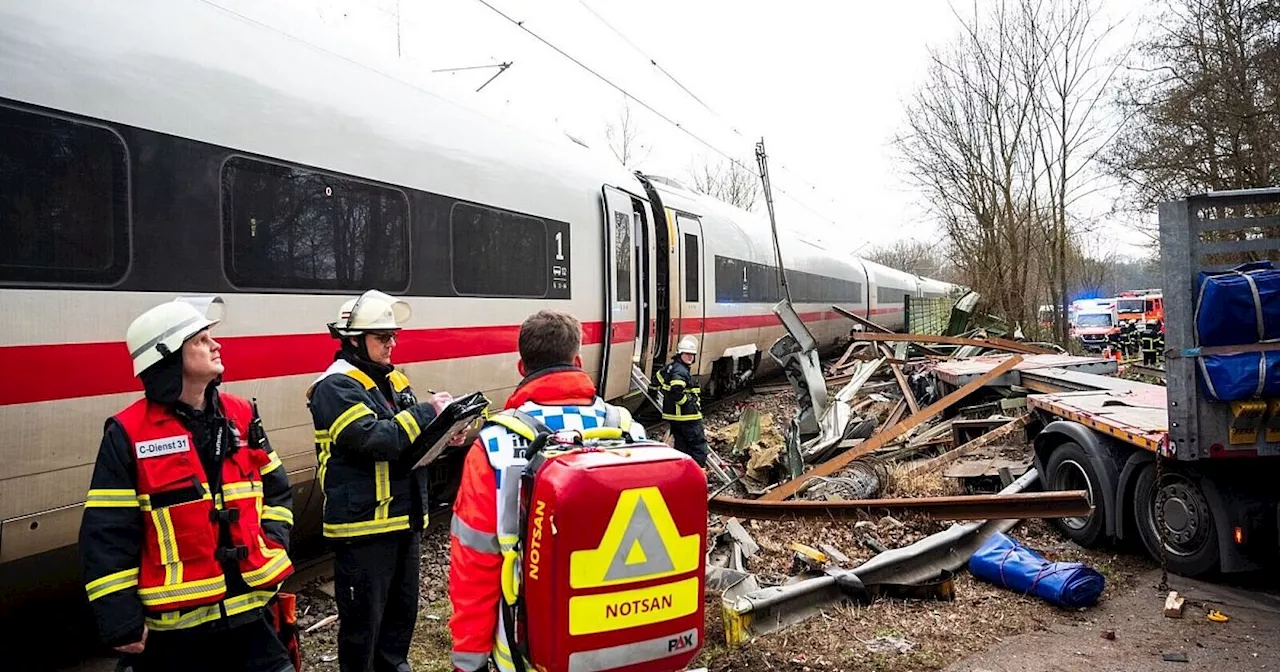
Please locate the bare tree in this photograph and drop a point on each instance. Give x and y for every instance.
(728, 181)
(913, 256)
(1204, 106)
(623, 136)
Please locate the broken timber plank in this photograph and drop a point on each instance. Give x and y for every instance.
(987, 439)
(835, 464)
(993, 343)
(872, 325)
(902, 380)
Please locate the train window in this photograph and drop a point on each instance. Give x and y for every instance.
(690, 268)
(890, 295)
(63, 201)
(622, 254)
(498, 253)
(290, 228)
(739, 281)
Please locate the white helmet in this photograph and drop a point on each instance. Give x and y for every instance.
(371, 311)
(687, 346)
(162, 330)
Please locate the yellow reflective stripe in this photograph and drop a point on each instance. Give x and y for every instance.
(167, 542)
(323, 443)
(409, 424)
(678, 418)
(398, 381)
(111, 583)
(107, 498)
(676, 383)
(597, 433)
(190, 590)
(177, 620)
(270, 572)
(514, 425)
(382, 489)
(363, 378)
(624, 419)
(242, 490)
(272, 465)
(277, 513)
(366, 527)
(349, 416)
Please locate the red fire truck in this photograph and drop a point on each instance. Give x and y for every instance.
(1193, 478)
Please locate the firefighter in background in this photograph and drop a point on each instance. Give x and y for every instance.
(680, 403)
(365, 415)
(1149, 350)
(186, 523)
(556, 392)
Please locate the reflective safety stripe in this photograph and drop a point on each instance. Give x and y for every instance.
(277, 513)
(382, 489)
(502, 655)
(271, 465)
(464, 660)
(168, 545)
(681, 418)
(366, 527)
(242, 490)
(177, 620)
(181, 592)
(111, 498)
(324, 444)
(398, 381)
(409, 424)
(112, 583)
(514, 425)
(269, 573)
(349, 416)
(472, 538)
(362, 377)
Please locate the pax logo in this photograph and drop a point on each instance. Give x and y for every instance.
(680, 643)
(166, 446)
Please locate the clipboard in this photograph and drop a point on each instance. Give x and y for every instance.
(434, 438)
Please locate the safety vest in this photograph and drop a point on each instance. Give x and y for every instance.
(181, 564)
(506, 437)
(371, 500)
(680, 395)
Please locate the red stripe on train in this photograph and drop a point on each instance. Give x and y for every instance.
(69, 370)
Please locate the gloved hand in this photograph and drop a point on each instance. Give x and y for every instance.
(439, 400)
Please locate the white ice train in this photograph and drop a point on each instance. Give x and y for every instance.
(175, 148)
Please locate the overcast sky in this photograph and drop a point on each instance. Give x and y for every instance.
(823, 81)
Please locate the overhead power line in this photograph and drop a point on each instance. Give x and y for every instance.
(645, 105)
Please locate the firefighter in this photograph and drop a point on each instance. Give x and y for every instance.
(365, 415)
(1149, 351)
(680, 403)
(556, 392)
(186, 524)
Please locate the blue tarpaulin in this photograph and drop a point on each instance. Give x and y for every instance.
(1239, 306)
(1011, 565)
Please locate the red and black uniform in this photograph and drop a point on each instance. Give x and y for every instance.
(186, 529)
(365, 417)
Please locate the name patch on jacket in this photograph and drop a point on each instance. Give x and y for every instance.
(166, 446)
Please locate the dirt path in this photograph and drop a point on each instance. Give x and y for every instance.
(1249, 641)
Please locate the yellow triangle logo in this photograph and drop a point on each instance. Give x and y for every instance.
(636, 555)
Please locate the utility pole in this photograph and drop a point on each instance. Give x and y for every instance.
(502, 67)
(763, 160)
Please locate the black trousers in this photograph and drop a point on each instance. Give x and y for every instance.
(376, 586)
(691, 440)
(253, 647)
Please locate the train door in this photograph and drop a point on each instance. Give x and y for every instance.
(645, 286)
(618, 340)
(689, 251)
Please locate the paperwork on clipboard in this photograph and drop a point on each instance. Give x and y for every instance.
(435, 437)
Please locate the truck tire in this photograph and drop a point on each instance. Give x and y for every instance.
(1190, 535)
(1069, 468)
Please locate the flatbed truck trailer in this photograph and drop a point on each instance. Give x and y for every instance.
(1197, 481)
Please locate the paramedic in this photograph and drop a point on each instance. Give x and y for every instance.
(557, 393)
(680, 403)
(186, 473)
(365, 415)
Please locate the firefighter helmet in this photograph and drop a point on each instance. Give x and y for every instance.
(161, 331)
(371, 311)
(687, 346)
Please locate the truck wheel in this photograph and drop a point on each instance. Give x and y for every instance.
(1069, 468)
(1190, 536)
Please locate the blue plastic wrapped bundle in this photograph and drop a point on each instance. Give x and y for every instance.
(1011, 565)
(1239, 306)
(1247, 375)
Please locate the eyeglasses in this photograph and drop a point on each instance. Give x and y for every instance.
(385, 338)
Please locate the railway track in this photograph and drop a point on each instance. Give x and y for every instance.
(1153, 371)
